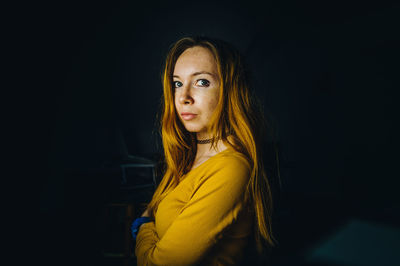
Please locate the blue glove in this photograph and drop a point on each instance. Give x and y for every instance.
(137, 223)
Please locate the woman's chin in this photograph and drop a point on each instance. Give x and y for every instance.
(192, 129)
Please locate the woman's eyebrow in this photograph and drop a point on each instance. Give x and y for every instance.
(202, 72)
(196, 74)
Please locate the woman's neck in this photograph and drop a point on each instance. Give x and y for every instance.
(205, 150)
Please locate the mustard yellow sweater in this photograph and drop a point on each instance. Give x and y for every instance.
(205, 220)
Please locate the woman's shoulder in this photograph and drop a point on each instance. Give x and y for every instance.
(226, 174)
(226, 165)
(230, 158)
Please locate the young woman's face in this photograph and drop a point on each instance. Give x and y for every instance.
(196, 84)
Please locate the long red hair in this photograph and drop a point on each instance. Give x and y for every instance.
(237, 115)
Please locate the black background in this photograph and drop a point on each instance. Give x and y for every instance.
(325, 71)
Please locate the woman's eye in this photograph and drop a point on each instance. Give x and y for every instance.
(203, 83)
(177, 84)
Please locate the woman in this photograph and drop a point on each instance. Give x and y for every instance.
(214, 199)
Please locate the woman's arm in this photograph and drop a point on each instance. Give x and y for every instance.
(215, 205)
(146, 213)
(137, 223)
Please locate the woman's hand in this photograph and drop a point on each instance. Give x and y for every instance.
(146, 213)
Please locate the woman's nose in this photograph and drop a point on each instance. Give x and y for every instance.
(186, 96)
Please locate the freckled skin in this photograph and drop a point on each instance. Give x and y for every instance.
(196, 93)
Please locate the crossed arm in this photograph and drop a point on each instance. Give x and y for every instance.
(213, 208)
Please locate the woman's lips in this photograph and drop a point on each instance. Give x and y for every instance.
(188, 116)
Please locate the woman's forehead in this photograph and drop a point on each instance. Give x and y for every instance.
(194, 60)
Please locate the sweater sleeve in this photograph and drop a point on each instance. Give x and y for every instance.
(215, 204)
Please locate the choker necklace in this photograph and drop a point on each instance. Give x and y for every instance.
(204, 141)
